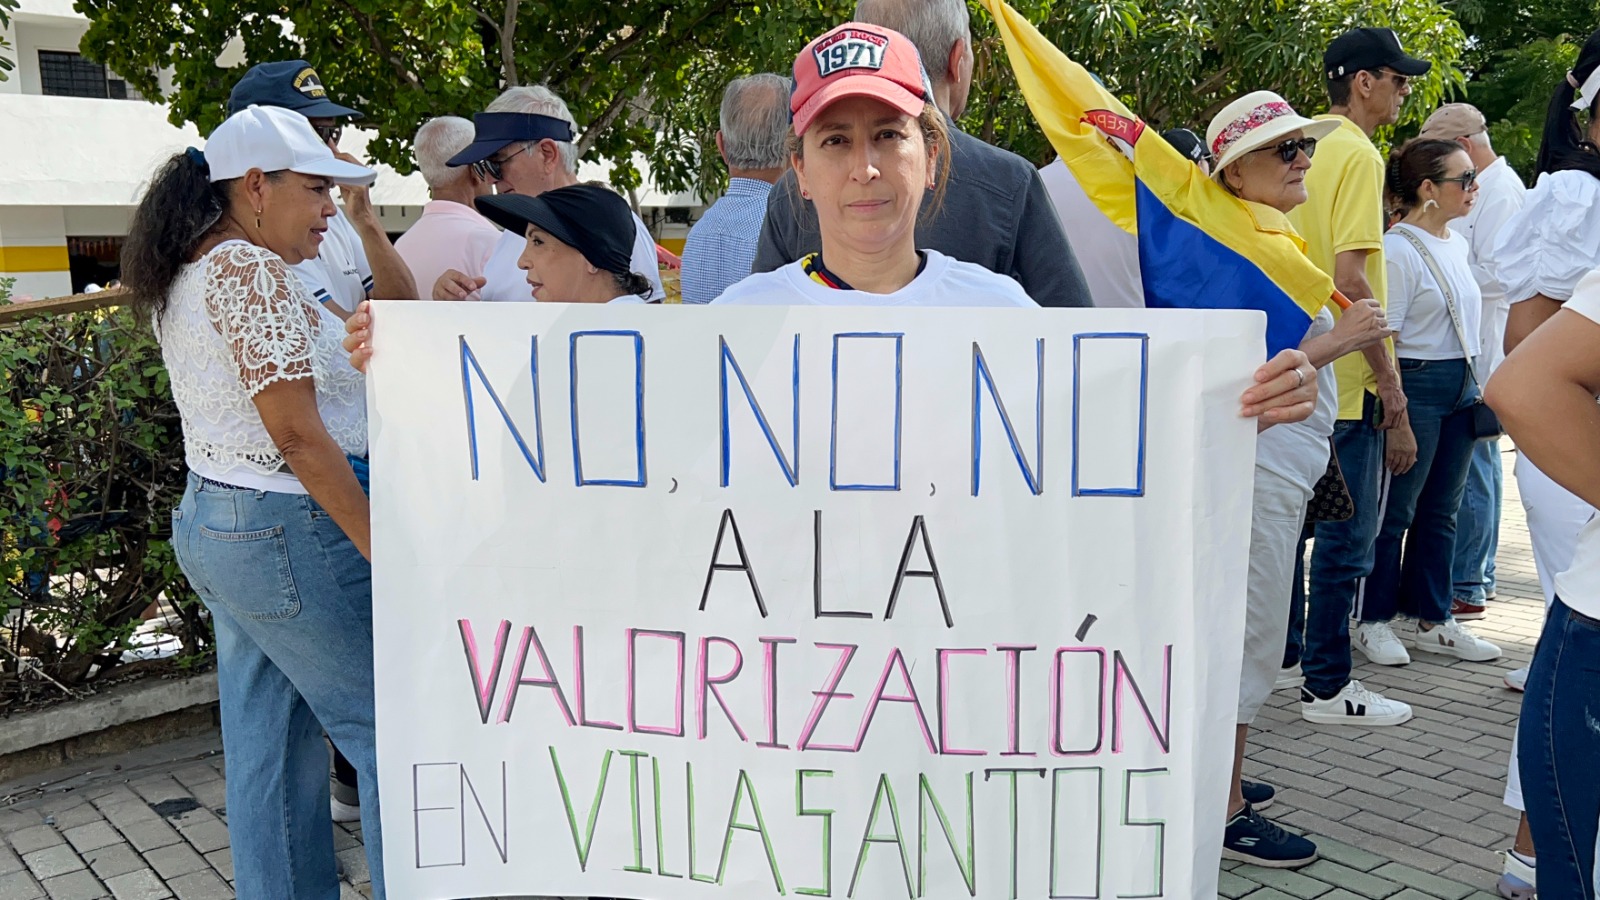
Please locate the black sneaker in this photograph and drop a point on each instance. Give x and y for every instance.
(1256, 841)
(1257, 794)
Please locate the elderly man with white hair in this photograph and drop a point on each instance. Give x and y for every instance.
(523, 144)
(450, 234)
(753, 142)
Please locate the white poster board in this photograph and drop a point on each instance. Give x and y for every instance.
(677, 603)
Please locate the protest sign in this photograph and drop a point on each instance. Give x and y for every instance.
(695, 603)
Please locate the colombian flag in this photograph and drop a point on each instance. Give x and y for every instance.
(1199, 247)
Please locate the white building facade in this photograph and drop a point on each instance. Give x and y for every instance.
(77, 146)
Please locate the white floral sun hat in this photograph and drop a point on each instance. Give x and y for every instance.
(1257, 120)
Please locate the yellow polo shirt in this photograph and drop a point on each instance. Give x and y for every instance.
(1344, 211)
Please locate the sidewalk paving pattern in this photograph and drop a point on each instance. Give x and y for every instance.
(1404, 813)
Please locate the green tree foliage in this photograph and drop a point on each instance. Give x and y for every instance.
(643, 76)
(91, 465)
(1518, 53)
(1178, 62)
(646, 76)
(7, 7)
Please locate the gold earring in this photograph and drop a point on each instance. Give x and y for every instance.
(258, 220)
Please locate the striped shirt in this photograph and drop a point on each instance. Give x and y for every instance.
(722, 246)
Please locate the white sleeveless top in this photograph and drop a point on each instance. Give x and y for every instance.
(238, 320)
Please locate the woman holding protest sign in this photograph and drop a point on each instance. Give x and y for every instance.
(867, 145)
(273, 530)
(1263, 150)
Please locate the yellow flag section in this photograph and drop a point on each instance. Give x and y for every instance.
(1199, 246)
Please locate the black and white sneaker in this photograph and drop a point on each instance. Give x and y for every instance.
(1353, 705)
(1258, 795)
(1252, 839)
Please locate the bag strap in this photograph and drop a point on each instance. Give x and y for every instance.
(1449, 297)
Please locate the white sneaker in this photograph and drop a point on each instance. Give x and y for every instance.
(1517, 879)
(1517, 679)
(1377, 641)
(1455, 639)
(343, 812)
(1354, 705)
(1291, 677)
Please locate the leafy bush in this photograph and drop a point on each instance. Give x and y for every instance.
(91, 464)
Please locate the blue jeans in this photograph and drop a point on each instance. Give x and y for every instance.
(1557, 746)
(1419, 507)
(1478, 524)
(291, 601)
(1319, 623)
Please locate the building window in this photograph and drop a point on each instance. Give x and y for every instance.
(64, 74)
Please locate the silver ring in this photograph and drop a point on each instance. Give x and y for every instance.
(1300, 375)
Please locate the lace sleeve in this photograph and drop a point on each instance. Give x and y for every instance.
(258, 305)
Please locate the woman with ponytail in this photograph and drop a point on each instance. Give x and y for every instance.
(1434, 308)
(1542, 254)
(273, 530)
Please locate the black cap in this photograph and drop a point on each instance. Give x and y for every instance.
(494, 130)
(291, 84)
(593, 220)
(1369, 48)
(1187, 142)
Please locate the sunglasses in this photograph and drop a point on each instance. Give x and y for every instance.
(490, 169)
(1288, 150)
(1400, 81)
(1466, 179)
(329, 133)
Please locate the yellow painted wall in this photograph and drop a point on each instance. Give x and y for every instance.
(33, 259)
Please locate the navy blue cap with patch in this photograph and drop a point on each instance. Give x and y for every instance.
(494, 130)
(291, 84)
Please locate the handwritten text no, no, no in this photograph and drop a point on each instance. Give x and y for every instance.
(865, 381)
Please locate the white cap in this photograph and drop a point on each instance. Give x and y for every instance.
(273, 139)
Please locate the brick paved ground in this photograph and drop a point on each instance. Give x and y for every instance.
(1402, 813)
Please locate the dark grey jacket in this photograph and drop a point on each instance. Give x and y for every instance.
(995, 214)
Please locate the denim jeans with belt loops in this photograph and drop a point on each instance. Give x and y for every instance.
(291, 600)
(1414, 555)
(1558, 741)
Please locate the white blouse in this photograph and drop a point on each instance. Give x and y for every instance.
(1554, 241)
(238, 320)
(1417, 303)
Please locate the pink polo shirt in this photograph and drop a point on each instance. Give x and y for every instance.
(448, 235)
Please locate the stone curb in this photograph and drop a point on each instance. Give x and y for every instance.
(115, 707)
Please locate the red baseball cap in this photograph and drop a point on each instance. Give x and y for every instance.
(857, 60)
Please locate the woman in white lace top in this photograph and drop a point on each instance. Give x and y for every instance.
(273, 530)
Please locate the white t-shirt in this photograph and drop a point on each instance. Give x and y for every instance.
(238, 320)
(1554, 241)
(942, 282)
(340, 271)
(1417, 306)
(1108, 255)
(1500, 194)
(1579, 585)
(1299, 451)
(504, 282)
